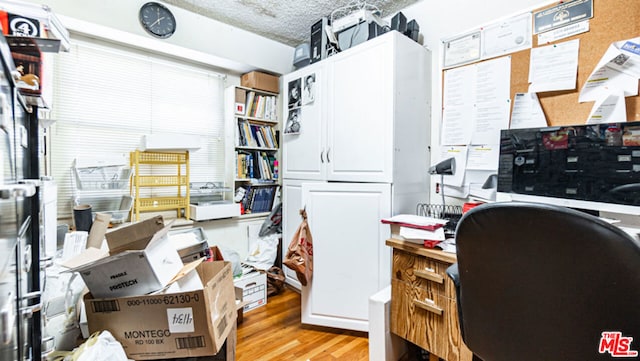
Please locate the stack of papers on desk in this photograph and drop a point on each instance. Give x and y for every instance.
(426, 231)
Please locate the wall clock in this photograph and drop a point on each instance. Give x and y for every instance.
(157, 20)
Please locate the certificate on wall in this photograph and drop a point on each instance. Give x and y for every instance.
(462, 50)
(507, 36)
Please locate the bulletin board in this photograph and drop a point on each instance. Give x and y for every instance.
(613, 20)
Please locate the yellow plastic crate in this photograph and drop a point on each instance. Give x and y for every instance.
(160, 181)
(161, 158)
(162, 203)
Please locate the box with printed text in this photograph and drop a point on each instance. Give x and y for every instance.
(141, 260)
(165, 326)
(254, 289)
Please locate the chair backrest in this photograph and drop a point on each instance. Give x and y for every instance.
(540, 282)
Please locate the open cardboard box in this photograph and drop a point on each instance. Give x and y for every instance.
(185, 324)
(141, 260)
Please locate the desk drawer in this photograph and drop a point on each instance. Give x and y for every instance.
(422, 322)
(422, 272)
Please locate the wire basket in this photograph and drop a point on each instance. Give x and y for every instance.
(449, 212)
(101, 178)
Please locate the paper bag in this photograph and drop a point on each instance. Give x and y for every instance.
(300, 252)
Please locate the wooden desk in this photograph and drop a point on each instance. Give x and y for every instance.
(423, 301)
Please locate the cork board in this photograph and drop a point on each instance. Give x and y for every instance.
(613, 20)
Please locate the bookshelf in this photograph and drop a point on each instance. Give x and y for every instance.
(253, 130)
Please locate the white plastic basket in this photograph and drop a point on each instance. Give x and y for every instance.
(118, 206)
(102, 178)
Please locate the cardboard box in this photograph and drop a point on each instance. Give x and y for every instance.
(226, 353)
(141, 261)
(261, 81)
(254, 289)
(187, 280)
(187, 324)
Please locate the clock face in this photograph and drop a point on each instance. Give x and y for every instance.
(157, 20)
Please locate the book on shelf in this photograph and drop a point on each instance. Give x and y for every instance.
(246, 134)
(255, 165)
(259, 198)
(249, 105)
(242, 139)
(260, 106)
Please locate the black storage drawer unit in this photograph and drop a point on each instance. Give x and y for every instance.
(579, 162)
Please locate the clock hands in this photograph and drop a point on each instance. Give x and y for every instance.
(157, 21)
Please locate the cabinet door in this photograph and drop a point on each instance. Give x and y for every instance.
(303, 152)
(292, 203)
(360, 113)
(350, 259)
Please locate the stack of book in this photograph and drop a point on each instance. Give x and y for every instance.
(252, 135)
(261, 106)
(255, 165)
(259, 198)
(427, 231)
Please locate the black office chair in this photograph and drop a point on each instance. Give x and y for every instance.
(542, 283)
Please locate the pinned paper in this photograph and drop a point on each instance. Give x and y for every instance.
(527, 112)
(554, 67)
(618, 68)
(609, 109)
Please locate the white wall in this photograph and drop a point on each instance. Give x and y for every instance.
(231, 48)
(443, 19)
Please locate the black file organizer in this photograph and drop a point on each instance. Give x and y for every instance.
(449, 212)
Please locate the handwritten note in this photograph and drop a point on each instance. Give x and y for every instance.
(180, 320)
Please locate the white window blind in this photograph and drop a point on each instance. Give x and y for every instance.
(107, 97)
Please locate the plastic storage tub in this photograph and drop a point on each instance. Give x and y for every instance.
(118, 206)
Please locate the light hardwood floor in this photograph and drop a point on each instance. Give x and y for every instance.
(274, 333)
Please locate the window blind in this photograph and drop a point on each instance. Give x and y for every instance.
(106, 97)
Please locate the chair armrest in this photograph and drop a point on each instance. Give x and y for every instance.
(454, 274)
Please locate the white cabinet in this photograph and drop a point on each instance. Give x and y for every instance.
(304, 155)
(359, 113)
(370, 116)
(362, 154)
(350, 259)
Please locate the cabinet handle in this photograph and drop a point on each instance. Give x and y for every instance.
(48, 345)
(428, 305)
(30, 310)
(26, 259)
(429, 274)
(328, 159)
(322, 156)
(46, 263)
(17, 191)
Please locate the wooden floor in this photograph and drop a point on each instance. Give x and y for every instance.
(274, 333)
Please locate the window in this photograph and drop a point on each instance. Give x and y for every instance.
(106, 97)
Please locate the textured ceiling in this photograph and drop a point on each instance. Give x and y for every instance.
(288, 22)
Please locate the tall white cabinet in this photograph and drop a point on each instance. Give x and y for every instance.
(361, 155)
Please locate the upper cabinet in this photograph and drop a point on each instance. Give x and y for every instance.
(304, 124)
(369, 102)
